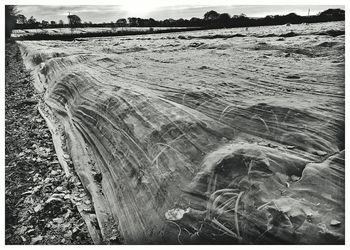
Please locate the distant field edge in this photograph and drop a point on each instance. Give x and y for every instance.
(110, 33)
(72, 36)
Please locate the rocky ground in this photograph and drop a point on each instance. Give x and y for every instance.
(39, 204)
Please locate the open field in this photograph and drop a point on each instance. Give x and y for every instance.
(20, 32)
(70, 34)
(217, 136)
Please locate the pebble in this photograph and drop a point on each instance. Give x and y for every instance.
(58, 220)
(53, 172)
(335, 223)
(68, 234)
(320, 153)
(37, 208)
(36, 239)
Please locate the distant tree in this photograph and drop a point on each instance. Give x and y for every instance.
(31, 20)
(224, 16)
(196, 22)
(53, 23)
(44, 23)
(181, 22)
(211, 15)
(132, 21)
(332, 13)
(224, 19)
(21, 19)
(169, 22)
(139, 22)
(292, 15)
(74, 20)
(292, 18)
(152, 22)
(11, 13)
(60, 22)
(121, 22)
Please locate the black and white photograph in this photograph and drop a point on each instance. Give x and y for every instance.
(173, 123)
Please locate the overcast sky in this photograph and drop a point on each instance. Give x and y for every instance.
(159, 11)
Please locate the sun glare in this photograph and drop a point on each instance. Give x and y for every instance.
(140, 9)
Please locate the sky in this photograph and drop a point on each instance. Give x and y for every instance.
(160, 10)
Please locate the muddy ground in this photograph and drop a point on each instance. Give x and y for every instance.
(39, 208)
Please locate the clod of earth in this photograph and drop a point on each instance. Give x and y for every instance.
(32, 170)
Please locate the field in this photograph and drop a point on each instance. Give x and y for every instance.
(68, 33)
(216, 136)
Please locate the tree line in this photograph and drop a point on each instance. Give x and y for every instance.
(211, 19)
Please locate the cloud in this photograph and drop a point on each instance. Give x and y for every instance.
(107, 13)
(99, 13)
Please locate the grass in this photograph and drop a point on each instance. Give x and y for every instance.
(263, 121)
(225, 229)
(223, 112)
(225, 203)
(236, 213)
(219, 205)
(166, 146)
(220, 202)
(162, 151)
(223, 211)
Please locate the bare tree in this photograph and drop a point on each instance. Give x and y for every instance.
(11, 13)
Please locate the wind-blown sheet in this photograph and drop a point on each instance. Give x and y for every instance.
(202, 137)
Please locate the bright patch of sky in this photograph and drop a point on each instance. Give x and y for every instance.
(160, 10)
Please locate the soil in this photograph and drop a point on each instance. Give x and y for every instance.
(39, 208)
